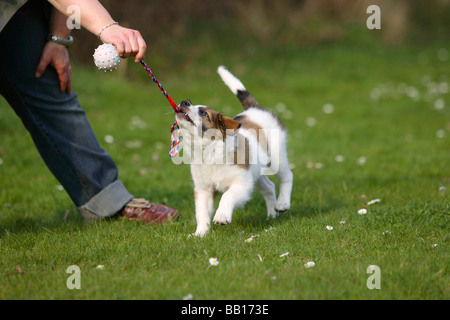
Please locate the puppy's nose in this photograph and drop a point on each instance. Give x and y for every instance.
(185, 103)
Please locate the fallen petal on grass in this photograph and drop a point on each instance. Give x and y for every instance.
(189, 296)
(371, 202)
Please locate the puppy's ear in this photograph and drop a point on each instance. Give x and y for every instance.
(231, 124)
(226, 123)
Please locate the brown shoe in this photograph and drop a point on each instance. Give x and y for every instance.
(142, 210)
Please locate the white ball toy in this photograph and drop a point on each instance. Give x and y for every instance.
(106, 57)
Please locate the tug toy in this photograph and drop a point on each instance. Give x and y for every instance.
(106, 58)
(175, 139)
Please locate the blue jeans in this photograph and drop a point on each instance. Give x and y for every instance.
(55, 120)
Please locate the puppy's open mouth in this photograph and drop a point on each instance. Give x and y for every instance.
(184, 116)
(185, 106)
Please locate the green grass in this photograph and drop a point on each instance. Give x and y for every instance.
(404, 139)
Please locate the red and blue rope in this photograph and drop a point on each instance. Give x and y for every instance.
(175, 139)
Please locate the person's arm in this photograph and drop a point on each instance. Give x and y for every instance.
(94, 17)
(55, 54)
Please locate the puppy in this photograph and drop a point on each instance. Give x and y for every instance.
(232, 155)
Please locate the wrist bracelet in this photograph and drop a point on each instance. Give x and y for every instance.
(65, 42)
(108, 25)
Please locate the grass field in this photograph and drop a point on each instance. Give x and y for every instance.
(364, 122)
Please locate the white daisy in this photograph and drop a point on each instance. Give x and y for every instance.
(133, 144)
(136, 123)
(100, 267)
(362, 211)
(362, 160)
(440, 133)
(329, 228)
(109, 139)
(309, 264)
(213, 261)
(318, 165)
(311, 121)
(280, 107)
(439, 104)
(328, 108)
(287, 114)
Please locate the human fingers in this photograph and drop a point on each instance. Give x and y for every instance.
(134, 43)
(69, 81)
(128, 42)
(57, 57)
(60, 62)
(43, 64)
(142, 49)
(62, 80)
(64, 74)
(120, 47)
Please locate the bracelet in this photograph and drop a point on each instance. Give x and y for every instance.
(65, 42)
(108, 25)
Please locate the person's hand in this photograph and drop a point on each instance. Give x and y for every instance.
(128, 42)
(56, 55)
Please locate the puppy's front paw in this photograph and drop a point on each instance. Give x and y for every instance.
(272, 215)
(201, 231)
(222, 219)
(282, 206)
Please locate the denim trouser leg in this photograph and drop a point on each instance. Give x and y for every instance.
(55, 120)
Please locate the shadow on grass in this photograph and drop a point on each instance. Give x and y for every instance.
(16, 223)
(253, 217)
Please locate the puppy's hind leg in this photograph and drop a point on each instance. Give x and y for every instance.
(267, 189)
(286, 178)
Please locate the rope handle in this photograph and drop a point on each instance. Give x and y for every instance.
(175, 139)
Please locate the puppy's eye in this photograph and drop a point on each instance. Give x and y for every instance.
(203, 113)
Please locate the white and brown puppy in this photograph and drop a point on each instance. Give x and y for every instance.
(231, 156)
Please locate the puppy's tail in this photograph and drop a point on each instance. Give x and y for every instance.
(237, 88)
